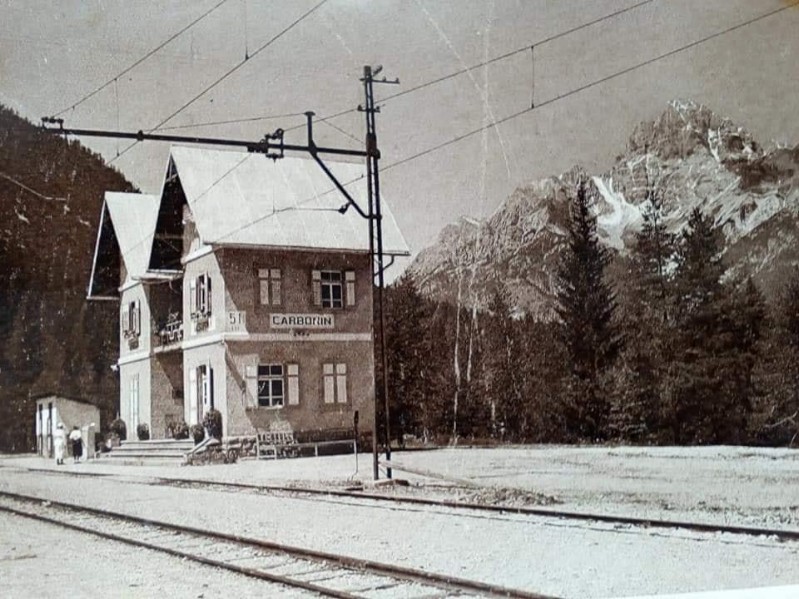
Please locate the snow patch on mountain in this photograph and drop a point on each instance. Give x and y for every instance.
(689, 156)
(621, 217)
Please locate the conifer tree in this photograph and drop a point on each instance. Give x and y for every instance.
(502, 369)
(709, 388)
(585, 306)
(405, 345)
(635, 413)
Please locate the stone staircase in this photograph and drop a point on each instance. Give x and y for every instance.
(155, 452)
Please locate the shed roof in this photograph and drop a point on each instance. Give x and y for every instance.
(246, 199)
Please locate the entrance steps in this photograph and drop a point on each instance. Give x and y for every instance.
(155, 452)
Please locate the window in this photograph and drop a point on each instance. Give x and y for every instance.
(205, 387)
(131, 319)
(329, 286)
(269, 286)
(200, 302)
(200, 296)
(270, 385)
(335, 383)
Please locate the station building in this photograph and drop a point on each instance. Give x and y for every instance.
(243, 286)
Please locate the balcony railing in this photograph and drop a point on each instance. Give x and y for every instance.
(172, 330)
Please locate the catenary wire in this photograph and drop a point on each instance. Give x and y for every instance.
(527, 110)
(232, 121)
(432, 82)
(140, 60)
(228, 73)
(594, 83)
(21, 185)
(484, 63)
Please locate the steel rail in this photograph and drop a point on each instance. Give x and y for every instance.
(781, 534)
(441, 581)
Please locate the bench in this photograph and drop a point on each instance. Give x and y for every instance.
(278, 444)
(274, 444)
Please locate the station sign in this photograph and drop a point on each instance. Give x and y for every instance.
(301, 321)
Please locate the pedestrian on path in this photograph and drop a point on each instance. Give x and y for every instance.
(59, 443)
(77, 444)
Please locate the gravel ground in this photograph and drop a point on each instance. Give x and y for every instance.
(734, 485)
(38, 560)
(544, 555)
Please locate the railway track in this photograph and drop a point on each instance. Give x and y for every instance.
(752, 531)
(324, 574)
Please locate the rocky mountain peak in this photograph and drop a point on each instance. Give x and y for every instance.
(689, 155)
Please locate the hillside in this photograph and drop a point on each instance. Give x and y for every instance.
(53, 340)
(695, 157)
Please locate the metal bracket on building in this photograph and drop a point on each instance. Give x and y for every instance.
(312, 150)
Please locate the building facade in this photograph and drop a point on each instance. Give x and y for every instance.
(243, 287)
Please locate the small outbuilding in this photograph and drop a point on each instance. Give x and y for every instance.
(53, 409)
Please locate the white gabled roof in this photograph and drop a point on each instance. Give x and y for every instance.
(133, 216)
(246, 199)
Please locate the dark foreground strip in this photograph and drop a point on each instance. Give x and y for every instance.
(419, 576)
(781, 534)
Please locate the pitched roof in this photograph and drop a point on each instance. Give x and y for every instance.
(246, 199)
(133, 216)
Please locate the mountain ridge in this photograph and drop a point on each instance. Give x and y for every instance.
(693, 157)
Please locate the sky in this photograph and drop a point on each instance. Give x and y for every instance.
(55, 52)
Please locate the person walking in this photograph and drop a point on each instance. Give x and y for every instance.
(77, 444)
(59, 443)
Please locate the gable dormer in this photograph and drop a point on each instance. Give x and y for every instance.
(124, 239)
(168, 240)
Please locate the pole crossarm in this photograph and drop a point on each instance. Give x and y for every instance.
(265, 146)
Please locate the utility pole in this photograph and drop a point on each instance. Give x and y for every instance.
(376, 245)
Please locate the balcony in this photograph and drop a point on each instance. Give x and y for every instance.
(171, 331)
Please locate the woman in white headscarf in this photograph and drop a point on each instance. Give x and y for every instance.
(59, 443)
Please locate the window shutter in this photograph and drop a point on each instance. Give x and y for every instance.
(341, 382)
(316, 277)
(349, 277)
(137, 317)
(275, 279)
(264, 291)
(192, 396)
(329, 383)
(192, 296)
(208, 295)
(294, 384)
(211, 386)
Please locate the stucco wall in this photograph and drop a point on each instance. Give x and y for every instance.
(311, 413)
(212, 354)
(242, 286)
(127, 371)
(167, 392)
(136, 292)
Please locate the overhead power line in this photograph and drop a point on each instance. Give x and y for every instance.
(32, 191)
(441, 79)
(228, 73)
(485, 63)
(231, 121)
(141, 60)
(590, 85)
